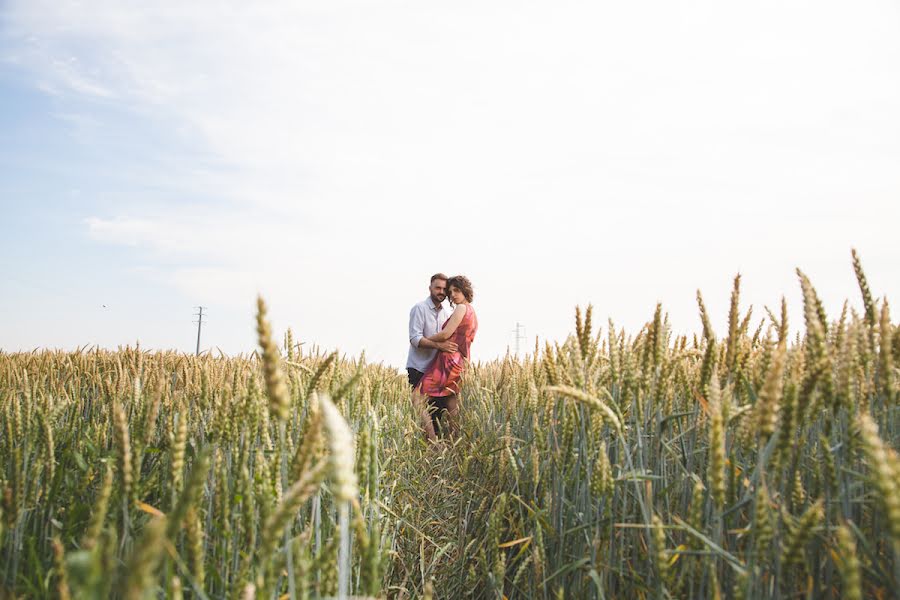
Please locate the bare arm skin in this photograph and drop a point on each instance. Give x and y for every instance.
(442, 346)
(444, 334)
(416, 334)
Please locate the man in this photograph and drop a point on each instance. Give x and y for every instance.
(425, 319)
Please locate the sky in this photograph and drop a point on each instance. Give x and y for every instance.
(332, 155)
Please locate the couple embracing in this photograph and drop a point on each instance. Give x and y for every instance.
(439, 343)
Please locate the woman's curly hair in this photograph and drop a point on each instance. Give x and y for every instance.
(462, 283)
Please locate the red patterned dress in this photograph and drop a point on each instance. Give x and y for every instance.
(444, 372)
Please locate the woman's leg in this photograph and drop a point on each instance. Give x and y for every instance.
(420, 404)
(453, 414)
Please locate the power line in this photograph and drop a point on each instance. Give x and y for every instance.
(519, 331)
(199, 321)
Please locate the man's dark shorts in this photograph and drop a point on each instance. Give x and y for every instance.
(437, 406)
(414, 377)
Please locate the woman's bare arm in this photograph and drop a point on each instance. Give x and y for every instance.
(455, 319)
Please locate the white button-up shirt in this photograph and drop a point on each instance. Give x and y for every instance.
(424, 320)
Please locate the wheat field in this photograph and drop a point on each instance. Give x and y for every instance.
(750, 463)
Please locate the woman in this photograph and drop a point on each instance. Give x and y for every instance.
(440, 383)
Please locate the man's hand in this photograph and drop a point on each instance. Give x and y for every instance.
(447, 346)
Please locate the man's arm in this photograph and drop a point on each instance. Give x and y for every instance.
(416, 326)
(442, 346)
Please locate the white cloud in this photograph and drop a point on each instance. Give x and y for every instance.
(124, 230)
(549, 149)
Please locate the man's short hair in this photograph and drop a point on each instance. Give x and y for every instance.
(438, 276)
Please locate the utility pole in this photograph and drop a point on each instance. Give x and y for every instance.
(199, 321)
(520, 335)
